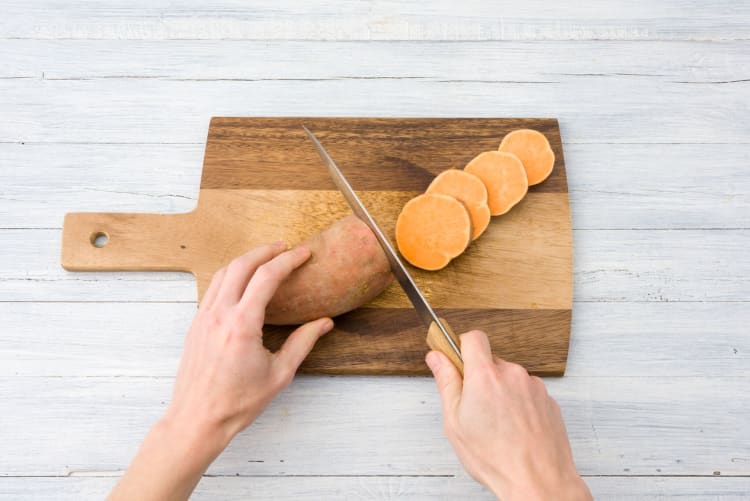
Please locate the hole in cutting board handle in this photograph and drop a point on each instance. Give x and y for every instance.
(99, 239)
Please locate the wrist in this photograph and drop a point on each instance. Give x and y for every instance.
(195, 443)
(567, 488)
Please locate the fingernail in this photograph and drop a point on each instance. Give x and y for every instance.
(433, 361)
(327, 325)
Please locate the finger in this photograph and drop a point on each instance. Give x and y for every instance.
(475, 349)
(268, 277)
(448, 381)
(299, 344)
(243, 267)
(558, 425)
(213, 288)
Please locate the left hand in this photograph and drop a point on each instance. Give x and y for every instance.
(227, 377)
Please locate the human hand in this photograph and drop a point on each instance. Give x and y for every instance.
(226, 376)
(225, 379)
(506, 430)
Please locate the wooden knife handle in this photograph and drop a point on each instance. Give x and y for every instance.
(436, 341)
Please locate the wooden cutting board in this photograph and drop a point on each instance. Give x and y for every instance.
(263, 181)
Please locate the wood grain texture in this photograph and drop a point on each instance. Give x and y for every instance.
(378, 154)
(641, 186)
(641, 266)
(392, 340)
(375, 425)
(258, 186)
(114, 339)
(491, 62)
(652, 101)
(598, 110)
(96, 485)
(441, 20)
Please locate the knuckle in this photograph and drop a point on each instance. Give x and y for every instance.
(248, 315)
(538, 385)
(218, 274)
(472, 335)
(212, 320)
(443, 384)
(235, 267)
(516, 372)
(486, 367)
(240, 318)
(266, 273)
(236, 263)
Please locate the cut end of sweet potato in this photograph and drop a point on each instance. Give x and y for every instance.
(534, 151)
(432, 229)
(470, 191)
(504, 177)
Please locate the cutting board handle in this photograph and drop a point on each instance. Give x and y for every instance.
(126, 242)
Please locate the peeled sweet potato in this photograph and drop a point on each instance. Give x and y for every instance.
(533, 150)
(504, 176)
(347, 269)
(470, 191)
(432, 229)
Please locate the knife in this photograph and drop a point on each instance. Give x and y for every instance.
(439, 334)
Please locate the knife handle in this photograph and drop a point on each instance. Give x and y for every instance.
(436, 341)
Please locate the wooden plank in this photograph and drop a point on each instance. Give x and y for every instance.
(610, 265)
(385, 20)
(345, 488)
(259, 488)
(524, 62)
(659, 186)
(377, 154)
(145, 339)
(649, 186)
(675, 265)
(593, 110)
(376, 426)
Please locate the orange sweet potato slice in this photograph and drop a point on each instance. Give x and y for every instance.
(534, 151)
(432, 229)
(470, 191)
(504, 177)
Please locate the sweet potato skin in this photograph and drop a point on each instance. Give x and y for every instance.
(347, 269)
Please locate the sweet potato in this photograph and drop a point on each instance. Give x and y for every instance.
(347, 269)
(470, 191)
(432, 229)
(503, 175)
(534, 151)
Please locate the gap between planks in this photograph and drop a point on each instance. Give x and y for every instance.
(118, 473)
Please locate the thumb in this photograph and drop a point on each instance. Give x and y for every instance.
(448, 380)
(300, 342)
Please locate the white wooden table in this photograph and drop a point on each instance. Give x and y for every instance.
(106, 107)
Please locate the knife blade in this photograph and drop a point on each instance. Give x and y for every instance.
(440, 336)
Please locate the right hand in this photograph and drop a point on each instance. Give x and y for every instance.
(506, 430)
